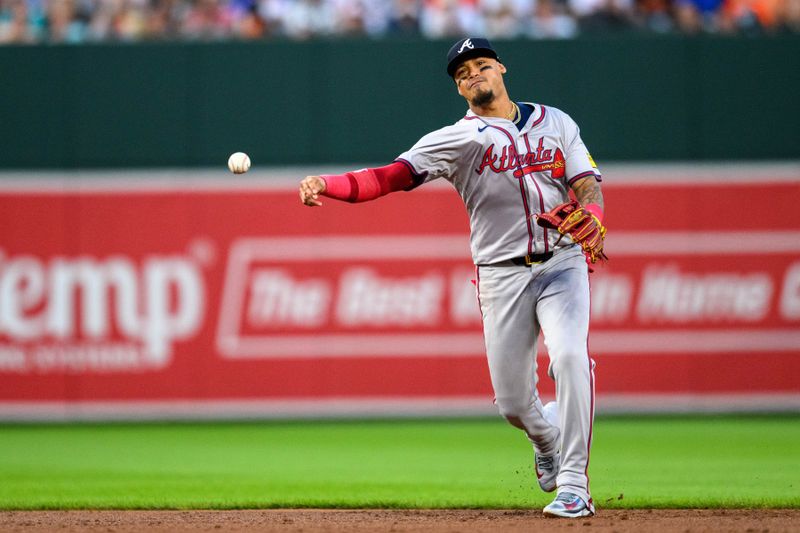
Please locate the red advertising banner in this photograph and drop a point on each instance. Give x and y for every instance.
(125, 295)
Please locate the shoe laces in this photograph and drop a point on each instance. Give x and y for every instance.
(565, 497)
(545, 462)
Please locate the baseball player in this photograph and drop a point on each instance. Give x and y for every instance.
(514, 165)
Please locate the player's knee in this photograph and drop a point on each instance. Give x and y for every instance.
(515, 421)
(513, 410)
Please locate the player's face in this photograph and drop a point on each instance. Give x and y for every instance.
(480, 80)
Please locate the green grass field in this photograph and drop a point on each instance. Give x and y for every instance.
(707, 461)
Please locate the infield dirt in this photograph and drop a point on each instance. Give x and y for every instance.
(433, 521)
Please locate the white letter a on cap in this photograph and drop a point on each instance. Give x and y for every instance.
(466, 44)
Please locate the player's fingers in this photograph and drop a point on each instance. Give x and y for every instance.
(310, 188)
(305, 189)
(305, 195)
(309, 198)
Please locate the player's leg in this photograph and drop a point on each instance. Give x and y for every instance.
(510, 332)
(563, 312)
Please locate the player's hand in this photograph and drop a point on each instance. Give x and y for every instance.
(310, 189)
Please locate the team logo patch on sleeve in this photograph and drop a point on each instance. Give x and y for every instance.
(591, 160)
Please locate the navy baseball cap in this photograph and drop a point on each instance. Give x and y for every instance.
(468, 48)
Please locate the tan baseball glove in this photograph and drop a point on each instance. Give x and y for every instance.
(582, 226)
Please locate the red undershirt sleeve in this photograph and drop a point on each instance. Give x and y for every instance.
(368, 183)
(596, 210)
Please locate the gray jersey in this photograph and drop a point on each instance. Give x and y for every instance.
(505, 176)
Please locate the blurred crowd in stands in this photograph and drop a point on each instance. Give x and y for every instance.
(80, 21)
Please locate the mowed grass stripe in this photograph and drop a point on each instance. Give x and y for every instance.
(474, 463)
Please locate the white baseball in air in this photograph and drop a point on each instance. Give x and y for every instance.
(239, 163)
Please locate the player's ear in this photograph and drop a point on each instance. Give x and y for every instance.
(501, 67)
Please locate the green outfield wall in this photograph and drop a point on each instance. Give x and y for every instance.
(635, 97)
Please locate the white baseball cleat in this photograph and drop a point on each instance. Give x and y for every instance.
(569, 505)
(547, 471)
(547, 465)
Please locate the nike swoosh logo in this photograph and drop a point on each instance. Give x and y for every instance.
(483, 128)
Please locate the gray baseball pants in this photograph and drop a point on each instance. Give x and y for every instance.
(517, 302)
